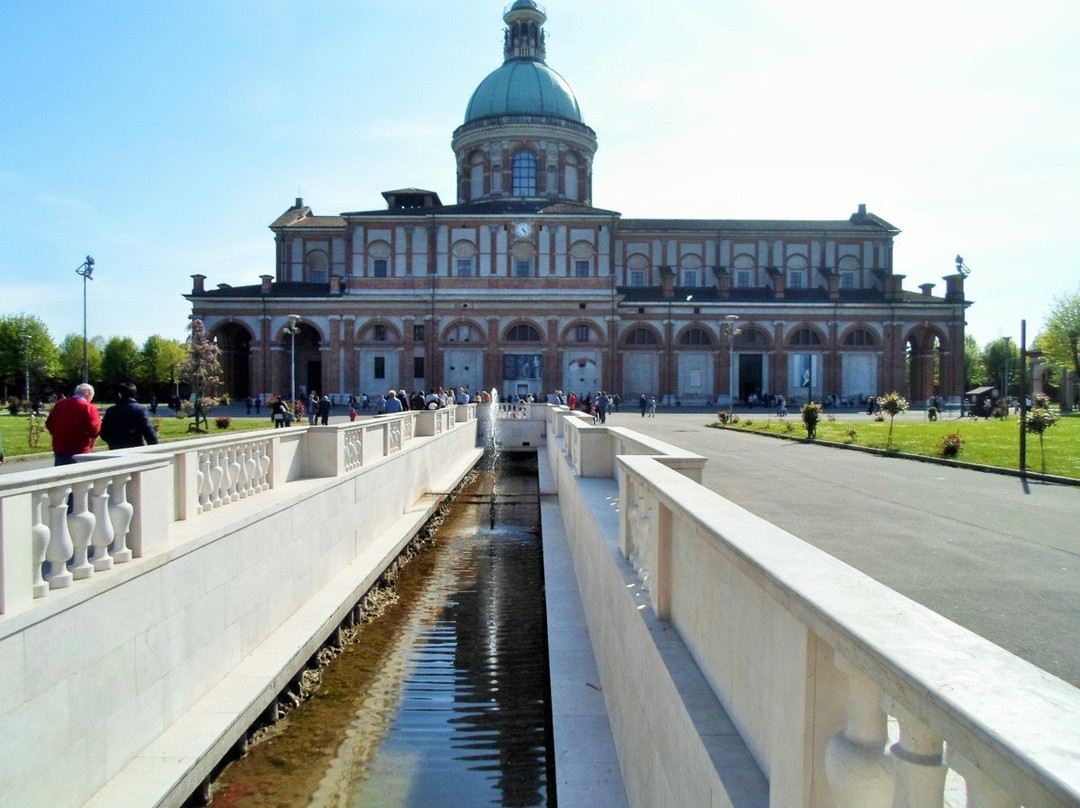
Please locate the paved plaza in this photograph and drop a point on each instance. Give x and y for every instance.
(997, 554)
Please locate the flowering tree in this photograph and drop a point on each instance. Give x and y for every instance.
(892, 404)
(1038, 420)
(202, 371)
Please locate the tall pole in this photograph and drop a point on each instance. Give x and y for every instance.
(292, 329)
(26, 362)
(1023, 396)
(86, 269)
(731, 331)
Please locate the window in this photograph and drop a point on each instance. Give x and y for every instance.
(847, 280)
(523, 333)
(804, 336)
(380, 268)
(418, 367)
(464, 267)
(796, 279)
(522, 268)
(743, 279)
(581, 333)
(641, 336)
(860, 336)
(637, 277)
(695, 336)
(581, 269)
(690, 277)
(378, 333)
(523, 174)
(418, 333)
(379, 367)
(317, 267)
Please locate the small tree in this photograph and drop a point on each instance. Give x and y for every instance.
(202, 371)
(892, 405)
(811, 414)
(1039, 419)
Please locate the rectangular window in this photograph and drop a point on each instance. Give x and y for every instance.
(379, 367)
(464, 267)
(379, 333)
(797, 279)
(418, 367)
(582, 333)
(418, 333)
(743, 279)
(581, 269)
(847, 280)
(523, 269)
(637, 277)
(379, 268)
(690, 277)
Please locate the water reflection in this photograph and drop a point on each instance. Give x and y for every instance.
(453, 710)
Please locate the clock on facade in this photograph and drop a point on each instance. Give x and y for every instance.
(522, 229)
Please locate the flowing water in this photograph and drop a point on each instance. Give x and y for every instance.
(443, 700)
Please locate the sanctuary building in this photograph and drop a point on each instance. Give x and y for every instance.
(522, 285)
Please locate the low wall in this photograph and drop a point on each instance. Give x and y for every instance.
(186, 586)
(809, 659)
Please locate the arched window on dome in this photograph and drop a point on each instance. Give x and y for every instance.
(476, 176)
(523, 174)
(570, 179)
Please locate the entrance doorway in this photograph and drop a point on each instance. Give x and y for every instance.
(751, 376)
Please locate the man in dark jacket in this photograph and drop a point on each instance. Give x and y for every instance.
(325, 405)
(126, 423)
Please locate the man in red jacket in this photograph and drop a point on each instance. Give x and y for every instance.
(74, 424)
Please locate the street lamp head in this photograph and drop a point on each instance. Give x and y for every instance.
(731, 318)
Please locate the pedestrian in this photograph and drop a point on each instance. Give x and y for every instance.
(393, 403)
(258, 405)
(643, 404)
(279, 412)
(74, 425)
(126, 424)
(312, 407)
(652, 406)
(325, 405)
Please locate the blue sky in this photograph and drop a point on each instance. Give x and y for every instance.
(163, 137)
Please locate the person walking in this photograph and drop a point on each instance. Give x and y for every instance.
(74, 425)
(126, 423)
(643, 404)
(325, 405)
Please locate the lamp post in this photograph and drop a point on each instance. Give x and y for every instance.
(86, 269)
(291, 330)
(26, 363)
(730, 331)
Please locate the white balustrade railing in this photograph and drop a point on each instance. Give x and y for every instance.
(742, 593)
(66, 524)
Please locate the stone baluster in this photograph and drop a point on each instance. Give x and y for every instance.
(60, 547)
(103, 535)
(918, 763)
(204, 482)
(81, 527)
(250, 469)
(264, 465)
(233, 467)
(856, 764)
(217, 475)
(40, 537)
(120, 513)
(982, 792)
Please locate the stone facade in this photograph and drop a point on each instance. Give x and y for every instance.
(523, 286)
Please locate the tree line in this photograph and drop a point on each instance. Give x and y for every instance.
(54, 369)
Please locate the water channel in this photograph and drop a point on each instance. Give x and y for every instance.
(443, 700)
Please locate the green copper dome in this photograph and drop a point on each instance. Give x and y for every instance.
(523, 87)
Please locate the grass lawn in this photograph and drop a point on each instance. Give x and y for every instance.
(14, 429)
(991, 443)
